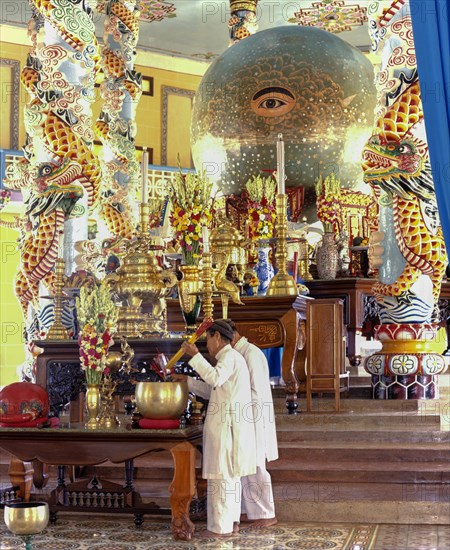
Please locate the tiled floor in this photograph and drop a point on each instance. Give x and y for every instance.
(84, 532)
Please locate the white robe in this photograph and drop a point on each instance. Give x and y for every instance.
(265, 428)
(229, 446)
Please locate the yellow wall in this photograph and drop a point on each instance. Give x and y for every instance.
(149, 110)
(149, 134)
(12, 351)
(18, 53)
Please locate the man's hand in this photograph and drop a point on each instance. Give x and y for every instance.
(178, 377)
(189, 349)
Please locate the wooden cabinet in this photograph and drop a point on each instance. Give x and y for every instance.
(325, 350)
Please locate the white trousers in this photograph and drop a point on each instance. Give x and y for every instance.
(257, 495)
(223, 504)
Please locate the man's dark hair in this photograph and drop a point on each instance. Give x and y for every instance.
(223, 328)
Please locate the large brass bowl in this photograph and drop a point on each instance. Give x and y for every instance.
(161, 400)
(26, 518)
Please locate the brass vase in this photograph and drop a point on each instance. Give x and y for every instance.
(93, 405)
(188, 288)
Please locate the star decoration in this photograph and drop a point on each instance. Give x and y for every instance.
(155, 10)
(331, 15)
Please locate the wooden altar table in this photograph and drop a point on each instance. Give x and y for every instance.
(80, 447)
(266, 321)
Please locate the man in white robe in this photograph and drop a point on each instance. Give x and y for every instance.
(229, 447)
(258, 507)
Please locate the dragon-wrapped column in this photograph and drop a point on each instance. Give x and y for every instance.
(409, 249)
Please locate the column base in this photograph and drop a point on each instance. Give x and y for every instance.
(405, 387)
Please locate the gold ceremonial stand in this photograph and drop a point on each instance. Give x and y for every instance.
(282, 284)
(58, 331)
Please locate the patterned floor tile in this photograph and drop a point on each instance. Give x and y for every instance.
(119, 533)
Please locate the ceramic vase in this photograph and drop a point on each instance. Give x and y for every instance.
(189, 301)
(327, 257)
(263, 269)
(93, 405)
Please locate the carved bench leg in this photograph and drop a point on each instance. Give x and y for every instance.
(21, 474)
(182, 489)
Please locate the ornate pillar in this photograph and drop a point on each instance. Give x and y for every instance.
(409, 249)
(242, 22)
(59, 168)
(116, 125)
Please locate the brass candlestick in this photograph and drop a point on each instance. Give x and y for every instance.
(282, 284)
(303, 260)
(58, 331)
(207, 293)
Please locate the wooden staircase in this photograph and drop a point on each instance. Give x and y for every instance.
(376, 461)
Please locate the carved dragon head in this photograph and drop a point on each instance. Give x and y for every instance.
(55, 187)
(397, 167)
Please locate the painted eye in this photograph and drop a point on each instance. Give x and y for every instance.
(273, 102)
(45, 170)
(404, 149)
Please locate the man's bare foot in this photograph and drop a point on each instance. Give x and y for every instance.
(244, 518)
(210, 534)
(261, 523)
(235, 527)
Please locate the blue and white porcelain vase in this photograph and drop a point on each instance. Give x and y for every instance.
(263, 269)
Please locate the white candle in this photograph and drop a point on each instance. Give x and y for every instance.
(144, 189)
(61, 244)
(280, 164)
(205, 237)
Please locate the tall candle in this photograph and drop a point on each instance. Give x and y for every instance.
(144, 189)
(61, 245)
(280, 164)
(205, 237)
(295, 266)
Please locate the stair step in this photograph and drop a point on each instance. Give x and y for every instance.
(392, 455)
(413, 435)
(328, 421)
(338, 491)
(376, 512)
(364, 473)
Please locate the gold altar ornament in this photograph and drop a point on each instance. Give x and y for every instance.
(140, 279)
(161, 400)
(282, 284)
(57, 330)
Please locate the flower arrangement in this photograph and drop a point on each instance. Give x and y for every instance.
(329, 211)
(5, 197)
(97, 315)
(261, 207)
(192, 208)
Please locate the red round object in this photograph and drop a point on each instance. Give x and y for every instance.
(23, 402)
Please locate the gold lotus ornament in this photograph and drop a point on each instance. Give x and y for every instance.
(162, 400)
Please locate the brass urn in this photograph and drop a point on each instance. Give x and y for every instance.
(162, 400)
(229, 260)
(140, 279)
(227, 240)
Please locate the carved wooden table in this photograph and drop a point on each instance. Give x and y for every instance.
(80, 447)
(266, 321)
